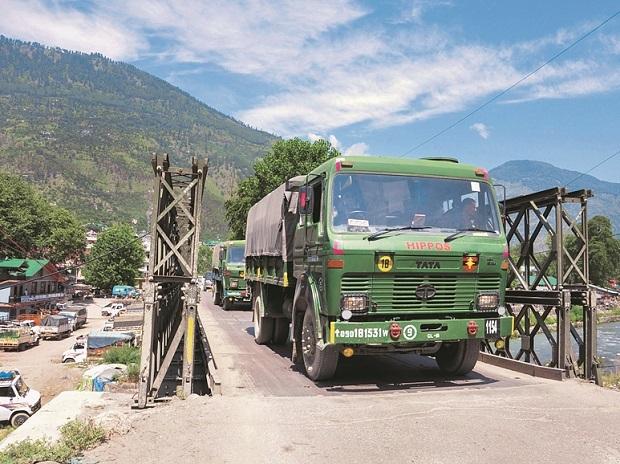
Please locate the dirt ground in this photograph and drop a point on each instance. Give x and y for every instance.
(42, 366)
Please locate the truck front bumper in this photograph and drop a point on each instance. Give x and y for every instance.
(238, 295)
(419, 331)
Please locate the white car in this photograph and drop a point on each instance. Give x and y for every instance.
(113, 310)
(76, 352)
(17, 401)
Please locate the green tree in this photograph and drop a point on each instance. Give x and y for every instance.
(66, 238)
(204, 258)
(115, 259)
(286, 159)
(604, 250)
(30, 226)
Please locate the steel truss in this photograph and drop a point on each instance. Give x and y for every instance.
(171, 294)
(547, 277)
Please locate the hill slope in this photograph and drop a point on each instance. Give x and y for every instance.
(83, 127)
(524, 176)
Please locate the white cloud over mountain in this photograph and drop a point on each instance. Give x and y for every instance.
(326, 64)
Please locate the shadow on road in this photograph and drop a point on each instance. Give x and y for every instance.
(384, 373)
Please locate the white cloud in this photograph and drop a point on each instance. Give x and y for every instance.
(334, 142)
(69, 28)
(357, 149)
(481, 129)
(323, 72)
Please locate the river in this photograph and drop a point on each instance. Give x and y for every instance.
(608, 346)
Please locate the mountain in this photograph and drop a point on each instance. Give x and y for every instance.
(83, 128)
(524, 176)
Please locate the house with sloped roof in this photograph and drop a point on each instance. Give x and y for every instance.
(28, 286)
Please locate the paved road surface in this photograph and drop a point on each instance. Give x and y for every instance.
(377, 410)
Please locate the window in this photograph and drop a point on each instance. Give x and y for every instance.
(7, 392)
(317, 193)
(236, 255)
(373, 202)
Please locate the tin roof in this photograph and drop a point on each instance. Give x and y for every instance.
(24, 267)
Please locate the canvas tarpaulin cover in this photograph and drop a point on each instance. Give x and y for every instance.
(271, 225)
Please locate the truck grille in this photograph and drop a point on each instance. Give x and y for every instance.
(396, 292)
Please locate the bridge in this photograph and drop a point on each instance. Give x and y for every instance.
(260, 406)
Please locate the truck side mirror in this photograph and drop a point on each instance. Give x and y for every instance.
(305, 200)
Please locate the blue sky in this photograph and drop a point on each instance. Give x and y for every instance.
(373, 77)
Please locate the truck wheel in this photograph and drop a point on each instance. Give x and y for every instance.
(217, 295)
(263, 325)
(458, 358)
(280, 333)
(320, 364)
(18, 419)
(226, 305)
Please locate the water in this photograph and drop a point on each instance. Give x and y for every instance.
(608, 346)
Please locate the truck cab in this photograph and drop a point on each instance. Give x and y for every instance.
(17, 401)
(229, 286)
(385, 255)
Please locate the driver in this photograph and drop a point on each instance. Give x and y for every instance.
(468, 213)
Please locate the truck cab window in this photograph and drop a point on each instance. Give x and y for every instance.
(317, 190)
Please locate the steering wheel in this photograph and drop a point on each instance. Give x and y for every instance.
(360, 212)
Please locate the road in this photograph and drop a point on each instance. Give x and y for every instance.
(41, 365)
(383, 409)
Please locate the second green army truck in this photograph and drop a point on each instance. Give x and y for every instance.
(229, 286)
(369, 255)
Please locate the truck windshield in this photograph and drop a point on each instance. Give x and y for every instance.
(236, 255)
(374, 202)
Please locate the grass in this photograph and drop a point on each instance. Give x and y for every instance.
(4, 431)
(611, 380)
(128, 355)
(76, 437)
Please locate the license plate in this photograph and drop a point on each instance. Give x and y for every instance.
(491, 328)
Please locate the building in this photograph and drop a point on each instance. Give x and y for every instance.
(20, 294)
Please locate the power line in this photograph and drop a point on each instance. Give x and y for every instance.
(505, 91)
(593, 168)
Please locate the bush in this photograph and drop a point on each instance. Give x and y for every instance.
(76, 436)
(133, 372)
(122, 355)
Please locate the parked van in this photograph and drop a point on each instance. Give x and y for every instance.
(17, 401)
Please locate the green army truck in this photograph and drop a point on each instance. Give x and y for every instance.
(369, 255)
(229, 286)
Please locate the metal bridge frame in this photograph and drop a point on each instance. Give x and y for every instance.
(171, 294)
(530, 218)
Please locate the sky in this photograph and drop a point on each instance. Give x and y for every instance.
(373, 77)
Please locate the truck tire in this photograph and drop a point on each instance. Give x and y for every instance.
(458, 358)
(18, 419)
(263, 325)
(217, 295)
(280, 332)
(226, 304)
(319, 364)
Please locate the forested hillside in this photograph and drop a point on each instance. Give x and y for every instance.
(82, 129)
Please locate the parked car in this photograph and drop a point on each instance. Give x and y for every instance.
(17, 401)
(113, 309)
(95, 345)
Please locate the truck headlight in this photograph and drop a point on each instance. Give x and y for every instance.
(355, 303)
(487, 301)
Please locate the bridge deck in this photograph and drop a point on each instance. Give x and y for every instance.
(385, 409)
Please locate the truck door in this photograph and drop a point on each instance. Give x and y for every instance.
(308, 238)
